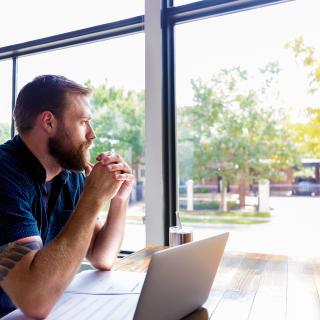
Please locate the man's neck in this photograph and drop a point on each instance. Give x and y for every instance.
(39, 149)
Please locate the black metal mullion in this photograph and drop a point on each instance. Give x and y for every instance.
(109, 30)
(47, 47)
(13, 92)
(210, 8)
(169, 124)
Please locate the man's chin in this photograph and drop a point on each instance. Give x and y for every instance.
(78, 166)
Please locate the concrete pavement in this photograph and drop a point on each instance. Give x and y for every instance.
(293, 229)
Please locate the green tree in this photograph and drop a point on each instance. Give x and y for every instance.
(310, 58)
(119, 123)
(235, 135)
(306, 134)
(4, 132)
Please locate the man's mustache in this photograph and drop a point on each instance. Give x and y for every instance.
(87, 145)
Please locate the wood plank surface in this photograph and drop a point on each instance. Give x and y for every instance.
(138, 261)
(240, 293)
(316, 273)
(253, 286)
(271, 297)
(302, 297)
(226, 271)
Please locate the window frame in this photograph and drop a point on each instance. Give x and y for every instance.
(158, 23)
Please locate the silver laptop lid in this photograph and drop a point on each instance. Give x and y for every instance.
(179, 279)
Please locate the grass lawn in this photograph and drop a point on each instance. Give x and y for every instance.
(222, 221)
(231, 217)
(226, 214)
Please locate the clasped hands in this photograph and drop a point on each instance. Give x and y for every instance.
(110, 177)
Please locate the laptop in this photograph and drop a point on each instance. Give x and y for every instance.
(178, 281)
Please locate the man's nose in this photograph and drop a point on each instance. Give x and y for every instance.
(91, 134)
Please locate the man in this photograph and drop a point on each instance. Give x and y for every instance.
(48, 210)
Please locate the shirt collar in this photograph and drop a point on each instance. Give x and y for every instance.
(33, 164)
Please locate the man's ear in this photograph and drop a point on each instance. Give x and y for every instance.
(48, 122)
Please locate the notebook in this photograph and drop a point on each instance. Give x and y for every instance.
(178, 281)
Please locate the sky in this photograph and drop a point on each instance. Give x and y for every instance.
(27, 20)
(248, 39)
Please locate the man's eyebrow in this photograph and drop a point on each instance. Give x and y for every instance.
(86, 117)
(13, 252)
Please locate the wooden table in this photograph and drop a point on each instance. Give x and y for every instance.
(253, 286)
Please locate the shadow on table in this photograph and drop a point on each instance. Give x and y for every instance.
(199, 314)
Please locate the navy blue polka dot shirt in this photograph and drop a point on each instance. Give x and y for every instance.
(25, 208)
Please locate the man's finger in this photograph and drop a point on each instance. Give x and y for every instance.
(114, 158)
(124, 177)
(88, 168)
(119, 167)
(103, 155)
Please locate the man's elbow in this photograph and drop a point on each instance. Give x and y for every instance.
(36, 311)
(102, 264)
(37, 306)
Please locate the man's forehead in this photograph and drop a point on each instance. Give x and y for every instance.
(78, 104)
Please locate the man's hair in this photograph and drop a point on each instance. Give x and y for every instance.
(44, 93)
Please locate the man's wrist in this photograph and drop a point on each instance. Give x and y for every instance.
(120, 199)
(95, 202)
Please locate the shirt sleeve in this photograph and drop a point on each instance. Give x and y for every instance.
(16, 216)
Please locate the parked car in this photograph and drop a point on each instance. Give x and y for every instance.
(305, 186)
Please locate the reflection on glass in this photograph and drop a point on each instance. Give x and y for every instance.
(5, 99)
(114, 70)
(248, 126)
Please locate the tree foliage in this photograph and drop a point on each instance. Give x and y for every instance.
(306, 134)
(118, 122)
(310, 59)
(234, 134)
(4, 132)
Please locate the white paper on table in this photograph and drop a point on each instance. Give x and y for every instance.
(93, 294)
(106, 282)
(88, 307)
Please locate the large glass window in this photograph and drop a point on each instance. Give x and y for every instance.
(5, 99)
(33, 19)
(114, 69)
(248, 126)
(181, 2)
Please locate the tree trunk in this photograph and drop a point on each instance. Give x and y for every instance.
(137, 171)
(242, 193)
(223, 202)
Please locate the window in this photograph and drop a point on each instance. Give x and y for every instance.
(49, 18)
(5, 99)
(247, 95)
(181, 2)
(234, 63)
(114, 69)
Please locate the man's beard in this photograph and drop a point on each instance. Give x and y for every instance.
(68, 156)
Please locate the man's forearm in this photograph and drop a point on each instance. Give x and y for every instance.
(108, 240)
(53, 267)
